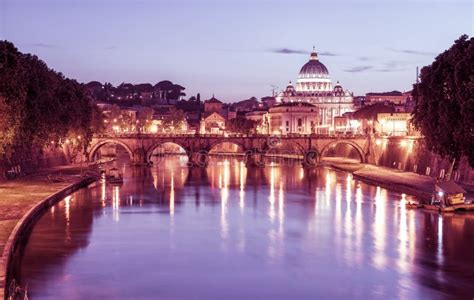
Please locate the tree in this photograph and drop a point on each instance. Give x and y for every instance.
(241, 125)
(145, 118)
(444, 102)
(175, 120)
(39, 106)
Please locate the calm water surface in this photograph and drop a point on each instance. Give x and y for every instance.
(228, 232)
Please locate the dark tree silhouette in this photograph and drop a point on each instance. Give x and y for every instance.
(241, 125)
(444, 102)
(39, 105)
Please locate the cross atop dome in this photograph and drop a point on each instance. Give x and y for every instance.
(314, 55)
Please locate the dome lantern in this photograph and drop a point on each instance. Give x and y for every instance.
(313, 55)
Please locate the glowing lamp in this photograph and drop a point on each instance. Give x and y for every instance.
(354, 123)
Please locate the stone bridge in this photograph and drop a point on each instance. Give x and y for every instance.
(311, 148)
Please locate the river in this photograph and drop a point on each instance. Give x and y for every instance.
(228, 232)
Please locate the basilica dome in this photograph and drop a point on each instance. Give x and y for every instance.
(314, 68)
(314, 77)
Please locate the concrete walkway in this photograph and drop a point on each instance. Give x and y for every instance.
(18, 196)
(405, 182)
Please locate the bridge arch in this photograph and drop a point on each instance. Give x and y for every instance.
(354, 145)
(99, 144)
(157, 145)
(213, 145)
(276, 143)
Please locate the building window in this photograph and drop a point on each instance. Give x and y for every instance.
(287, 123)
(300, 122)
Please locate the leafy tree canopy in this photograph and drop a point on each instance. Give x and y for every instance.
(241, 125)
(39, 105)
(444, 109)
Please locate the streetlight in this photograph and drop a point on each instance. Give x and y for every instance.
(382, 122)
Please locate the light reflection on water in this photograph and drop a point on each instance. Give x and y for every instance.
(230, 232)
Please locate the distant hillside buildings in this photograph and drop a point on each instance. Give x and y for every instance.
(313, 106)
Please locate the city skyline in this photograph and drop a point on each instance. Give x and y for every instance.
(246, 52)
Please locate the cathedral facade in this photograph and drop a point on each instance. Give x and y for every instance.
(314, 86)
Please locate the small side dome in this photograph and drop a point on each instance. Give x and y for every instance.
(290, 89)
(338, 90)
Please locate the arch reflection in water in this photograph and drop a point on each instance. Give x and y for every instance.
(242, 230)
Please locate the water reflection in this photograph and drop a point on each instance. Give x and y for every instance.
(232, 232)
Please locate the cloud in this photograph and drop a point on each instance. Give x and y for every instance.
(111, 47)
(327, 53)
(364, 58)
(358, 69)
(298, 51)
(288, 51)
(42, 45)
(388, 70)
(394, 66)
(413, 52)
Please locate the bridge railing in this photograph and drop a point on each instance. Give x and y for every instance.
(230, 135)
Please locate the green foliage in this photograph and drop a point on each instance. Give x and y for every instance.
(145, 117)
(444, 110)
(175, 120)
(172, 91)
(241, 125)
(39, 105)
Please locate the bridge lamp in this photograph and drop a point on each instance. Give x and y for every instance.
(378, 142)
(154, 128)
(403, 143)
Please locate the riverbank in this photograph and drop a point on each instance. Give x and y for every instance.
(404, 182)
(22, 200)
(420, 186)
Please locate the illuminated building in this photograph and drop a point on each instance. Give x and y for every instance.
(314, 86)
(213, 105)
(394, 124)
(214, 123)
(293, 117)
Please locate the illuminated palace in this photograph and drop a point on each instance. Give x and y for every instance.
(314, 86)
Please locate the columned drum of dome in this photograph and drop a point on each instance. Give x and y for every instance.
(314, 76)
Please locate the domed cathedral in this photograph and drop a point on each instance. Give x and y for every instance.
(314, 86)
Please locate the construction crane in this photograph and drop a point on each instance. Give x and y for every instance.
(274, 88)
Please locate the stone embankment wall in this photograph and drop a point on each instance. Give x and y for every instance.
(36, 159)
(414, 157)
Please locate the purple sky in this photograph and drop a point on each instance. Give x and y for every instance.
(236, 49)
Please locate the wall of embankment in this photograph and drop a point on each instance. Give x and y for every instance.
(21, 231)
